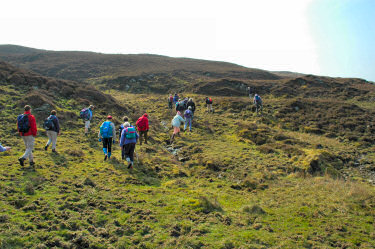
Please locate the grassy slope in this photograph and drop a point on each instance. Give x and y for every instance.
(228, 194)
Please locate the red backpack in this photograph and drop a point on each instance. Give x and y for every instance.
(141, 123)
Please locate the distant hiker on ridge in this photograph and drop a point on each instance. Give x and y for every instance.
(142, 124)
(176, 123)
(107, 135)
(258, 103)
(209, 104)
(52, 126)
(86, 114)
(26, 125)
(128, 141)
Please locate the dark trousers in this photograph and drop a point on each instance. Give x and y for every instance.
(141, 135)
(170, 105)
(107, 144)
(128, 151)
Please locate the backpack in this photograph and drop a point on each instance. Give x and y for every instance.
(258, 99)
(141, 123)
(209, 101)
(85, 114)
(106, 129)
(130, 133)
(175, 98)
(187, 114)
(23, 123)
(180, 106)
(48, 124)
(170, 99)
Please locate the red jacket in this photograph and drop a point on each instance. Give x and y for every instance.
(142, 123)
(33, 130)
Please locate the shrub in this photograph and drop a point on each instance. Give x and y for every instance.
(254, 209)
(208, 206)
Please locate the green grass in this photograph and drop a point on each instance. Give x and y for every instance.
(213, 200)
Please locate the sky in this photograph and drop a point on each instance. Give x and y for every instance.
(323, 37)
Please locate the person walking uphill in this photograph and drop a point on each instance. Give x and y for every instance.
(258, 103)
(107, 135)
(191, 104)
(26, 125)
(142, 124)
(170, 101)
(176, 123)
(209, 104)
(188, 118)
(52, 126)
(86, 114)
(128, 140)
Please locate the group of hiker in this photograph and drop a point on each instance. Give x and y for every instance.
(185, 109)
(128, 135)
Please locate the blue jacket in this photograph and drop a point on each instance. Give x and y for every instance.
(124, 141)
(2, 149)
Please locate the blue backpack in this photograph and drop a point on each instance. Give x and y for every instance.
(23, 123)
(85, 114)
(106, 129)
(258, 99)
(48, 124)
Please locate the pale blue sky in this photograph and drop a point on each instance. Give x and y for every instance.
(344, 34)
(323, 37)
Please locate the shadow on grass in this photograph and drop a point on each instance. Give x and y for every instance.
(140, 172)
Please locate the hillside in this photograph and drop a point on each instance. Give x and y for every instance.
(298, 176)
(76, 65)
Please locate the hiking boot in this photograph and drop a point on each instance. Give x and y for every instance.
(32, 164)
(54, 151)
(21, 160)
(46, 147)
(130, 166)
(105, 157)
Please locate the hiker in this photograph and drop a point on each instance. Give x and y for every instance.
(52, 126)
(175, 98)
(176, 123)
(2, 149)
(125, 119)
(107, 135)
(258, 103)
(142, 124)
(185, 101)
(188, 118)
(249, 92)
(209, 104)
(26, 125)
(128, 140)
(170, 101)
(191, 104)
(86, 115)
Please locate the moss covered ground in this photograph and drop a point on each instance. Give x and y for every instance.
(237, 181)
